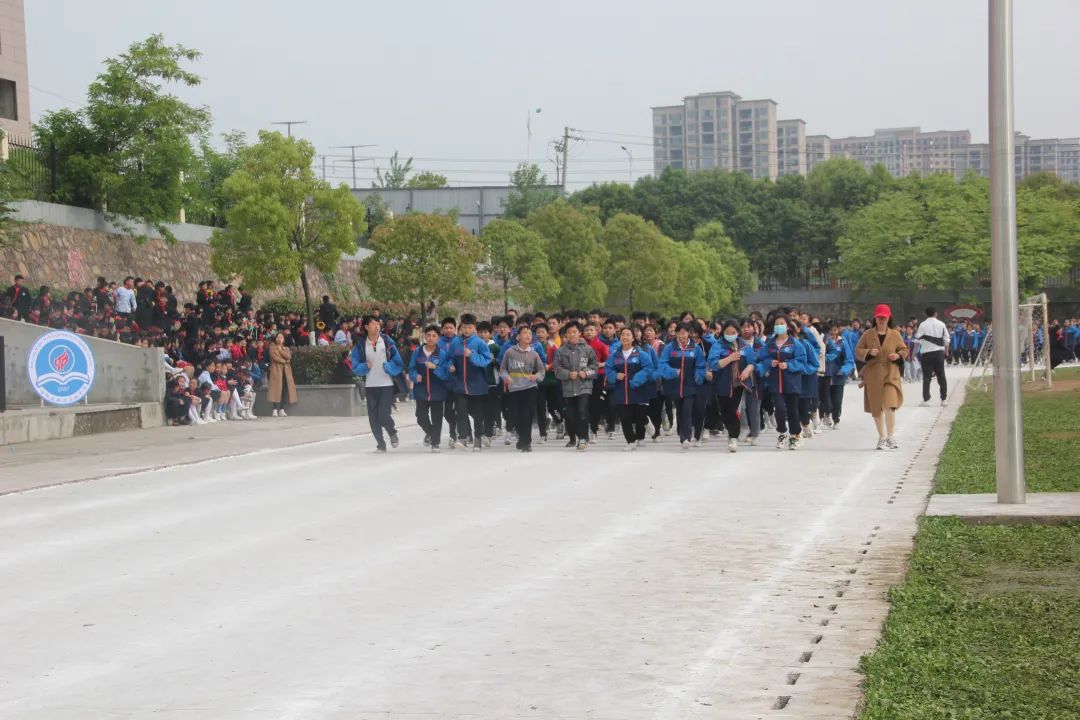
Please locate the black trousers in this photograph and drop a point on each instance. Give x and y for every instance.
(577, 417)
(492, 407)
(806, 408)
(450, 414)
(632, 420)
(380, 404)
(836, 401)
(656, 414)
(522, 404)
(933, 363)
(470, 406)
(684, 417)
(429, 416)
(598, 406)
(786, 409)
(701, 406)
(729, 412)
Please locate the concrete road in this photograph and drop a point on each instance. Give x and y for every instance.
(324, 581)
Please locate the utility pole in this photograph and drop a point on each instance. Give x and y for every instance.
(1008, 418)
(564, 148)
(353, 158)
(289, 124)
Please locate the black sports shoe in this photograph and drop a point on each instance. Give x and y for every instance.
(571, 443)
(394, 440)
(381, 449)
(427, 441)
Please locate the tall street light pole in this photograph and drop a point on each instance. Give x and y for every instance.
(1008, 420)
(631, 156)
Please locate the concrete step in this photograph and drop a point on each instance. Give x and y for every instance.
(31, 424)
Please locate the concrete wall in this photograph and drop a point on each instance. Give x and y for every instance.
(124, 373)
(476, 206)
(317, 401)
(68, 248)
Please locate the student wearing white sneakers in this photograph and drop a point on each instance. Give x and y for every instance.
(933, 338)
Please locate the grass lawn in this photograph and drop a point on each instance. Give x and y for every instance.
(1051, 440)
(987, 622)
(986, 625)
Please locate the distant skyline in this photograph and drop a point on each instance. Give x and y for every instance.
(455, 82)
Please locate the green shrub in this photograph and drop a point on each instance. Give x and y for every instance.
(320, 366)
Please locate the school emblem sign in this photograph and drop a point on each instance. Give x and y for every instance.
(61, 368)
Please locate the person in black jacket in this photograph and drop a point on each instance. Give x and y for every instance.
(328, 312)
(20, 298)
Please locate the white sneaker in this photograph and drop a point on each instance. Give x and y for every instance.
(283, 413)
(274, 413)
(611, 436)
(836, 425)
(704, 439)
(924, 403)
(487, 441)
(748, 440)
(944, 402)
(882, 444)
(637, 443)
(781, 441)
(891, 444)
(808, 432)
(733, 445)
(685, 444)
(630, 447)
(697, 443)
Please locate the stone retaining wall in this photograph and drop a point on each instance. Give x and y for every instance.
(66, 258)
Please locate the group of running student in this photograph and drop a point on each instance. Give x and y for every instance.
(580, 375)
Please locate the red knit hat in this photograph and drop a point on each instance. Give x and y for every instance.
(882, 310)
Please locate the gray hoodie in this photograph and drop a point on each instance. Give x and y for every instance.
(518, 364)
(579, 357)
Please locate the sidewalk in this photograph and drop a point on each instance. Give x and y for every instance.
(55, 462)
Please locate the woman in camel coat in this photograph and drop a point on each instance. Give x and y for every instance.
(881, 347)
(282, 385)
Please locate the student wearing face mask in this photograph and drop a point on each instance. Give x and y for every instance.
(784, 360)
(731, 362)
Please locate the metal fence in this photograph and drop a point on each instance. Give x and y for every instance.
(812, 280)
(33, 169)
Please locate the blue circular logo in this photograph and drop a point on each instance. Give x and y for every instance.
(61, 368)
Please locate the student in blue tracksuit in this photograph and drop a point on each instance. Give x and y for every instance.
(784, 360)
(704, 397)
(756, 393)
(731, 362)
(428, 373)
(682, 367)
(448, 331)
(956, 342)
(376, 358)
(628, 375)
(651, 344)
(809, 396)
(469, 357)
(838, 364)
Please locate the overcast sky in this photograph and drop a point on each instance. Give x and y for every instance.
(453, 81)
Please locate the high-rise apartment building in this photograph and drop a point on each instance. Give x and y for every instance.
(14, 75)
(716, 130)
(791, 147)
(818, 150)
(721, 130)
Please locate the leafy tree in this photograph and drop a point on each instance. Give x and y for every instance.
(703, 283)
(376, 211)
(572, 242)
(126, 150)
(427, 180)
(530, 192)
(283, 220)
(736, 281)
(1047, 235)
(206, 204)
(608, 198)
(422, 259)
(9, 185)
(396, 176)
(517, 262)
(643, 270)
(878, 247)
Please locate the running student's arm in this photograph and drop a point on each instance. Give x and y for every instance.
(609, 371)
(797, 363)
(481, 357)
(645, 374)
(699, 368)
(538, 369)
(592, 365)
(359, 368)
(394, 361)
(562, 364)
(666, 372)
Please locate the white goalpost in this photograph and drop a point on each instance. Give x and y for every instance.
(1034, 324)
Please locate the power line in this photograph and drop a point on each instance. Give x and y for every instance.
(56, 95)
